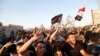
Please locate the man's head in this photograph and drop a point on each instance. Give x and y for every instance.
(40, 48)
(95, 37)
(58, 52)
(71, 38)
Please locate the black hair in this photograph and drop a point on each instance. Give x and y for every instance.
(12, 49)
(57, 48)
(38, 43)
(71, 33)
(95, 36)
(4, 41)
(20, 44)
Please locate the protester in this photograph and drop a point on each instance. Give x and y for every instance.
(53, 42)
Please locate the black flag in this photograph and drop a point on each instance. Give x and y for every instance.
(56, 19)
(78, 17)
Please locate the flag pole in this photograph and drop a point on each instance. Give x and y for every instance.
(92, 17)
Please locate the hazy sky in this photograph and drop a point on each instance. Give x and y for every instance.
(30, 13)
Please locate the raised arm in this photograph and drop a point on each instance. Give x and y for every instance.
(25, 47)
(92, 28)
(5, 46)
(53, 35)
(97, 30)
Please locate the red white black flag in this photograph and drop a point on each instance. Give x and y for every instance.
(80, 14)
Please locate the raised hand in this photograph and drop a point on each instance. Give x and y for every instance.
(93, 27)
(7, 44)
(37, 35)
(97, 30)
(53, 34)
(25, 47)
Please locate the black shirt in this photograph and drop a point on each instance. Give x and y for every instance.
(69, 51)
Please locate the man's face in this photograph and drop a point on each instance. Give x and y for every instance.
(72, 39)
(40, 48)
(58, 53)
(81, 38)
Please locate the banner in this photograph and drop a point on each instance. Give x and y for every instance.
(56, 19)
(96, 16)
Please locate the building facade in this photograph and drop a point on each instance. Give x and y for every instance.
(6, 31)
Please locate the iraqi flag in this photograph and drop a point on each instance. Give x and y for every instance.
(56, 19)
(80, 14)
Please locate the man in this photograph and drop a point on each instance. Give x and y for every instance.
(72, 48)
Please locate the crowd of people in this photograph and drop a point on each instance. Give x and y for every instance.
(53, 42)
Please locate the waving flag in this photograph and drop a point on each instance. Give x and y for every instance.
(80, 14)
(56, 19)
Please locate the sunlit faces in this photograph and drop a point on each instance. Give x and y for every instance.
(40, 49)
(80, 38)
(72, 39)
(58, 53)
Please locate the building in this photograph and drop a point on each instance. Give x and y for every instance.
(12, 28)
(6, 31)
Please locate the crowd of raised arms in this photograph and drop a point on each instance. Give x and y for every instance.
(54, 42)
